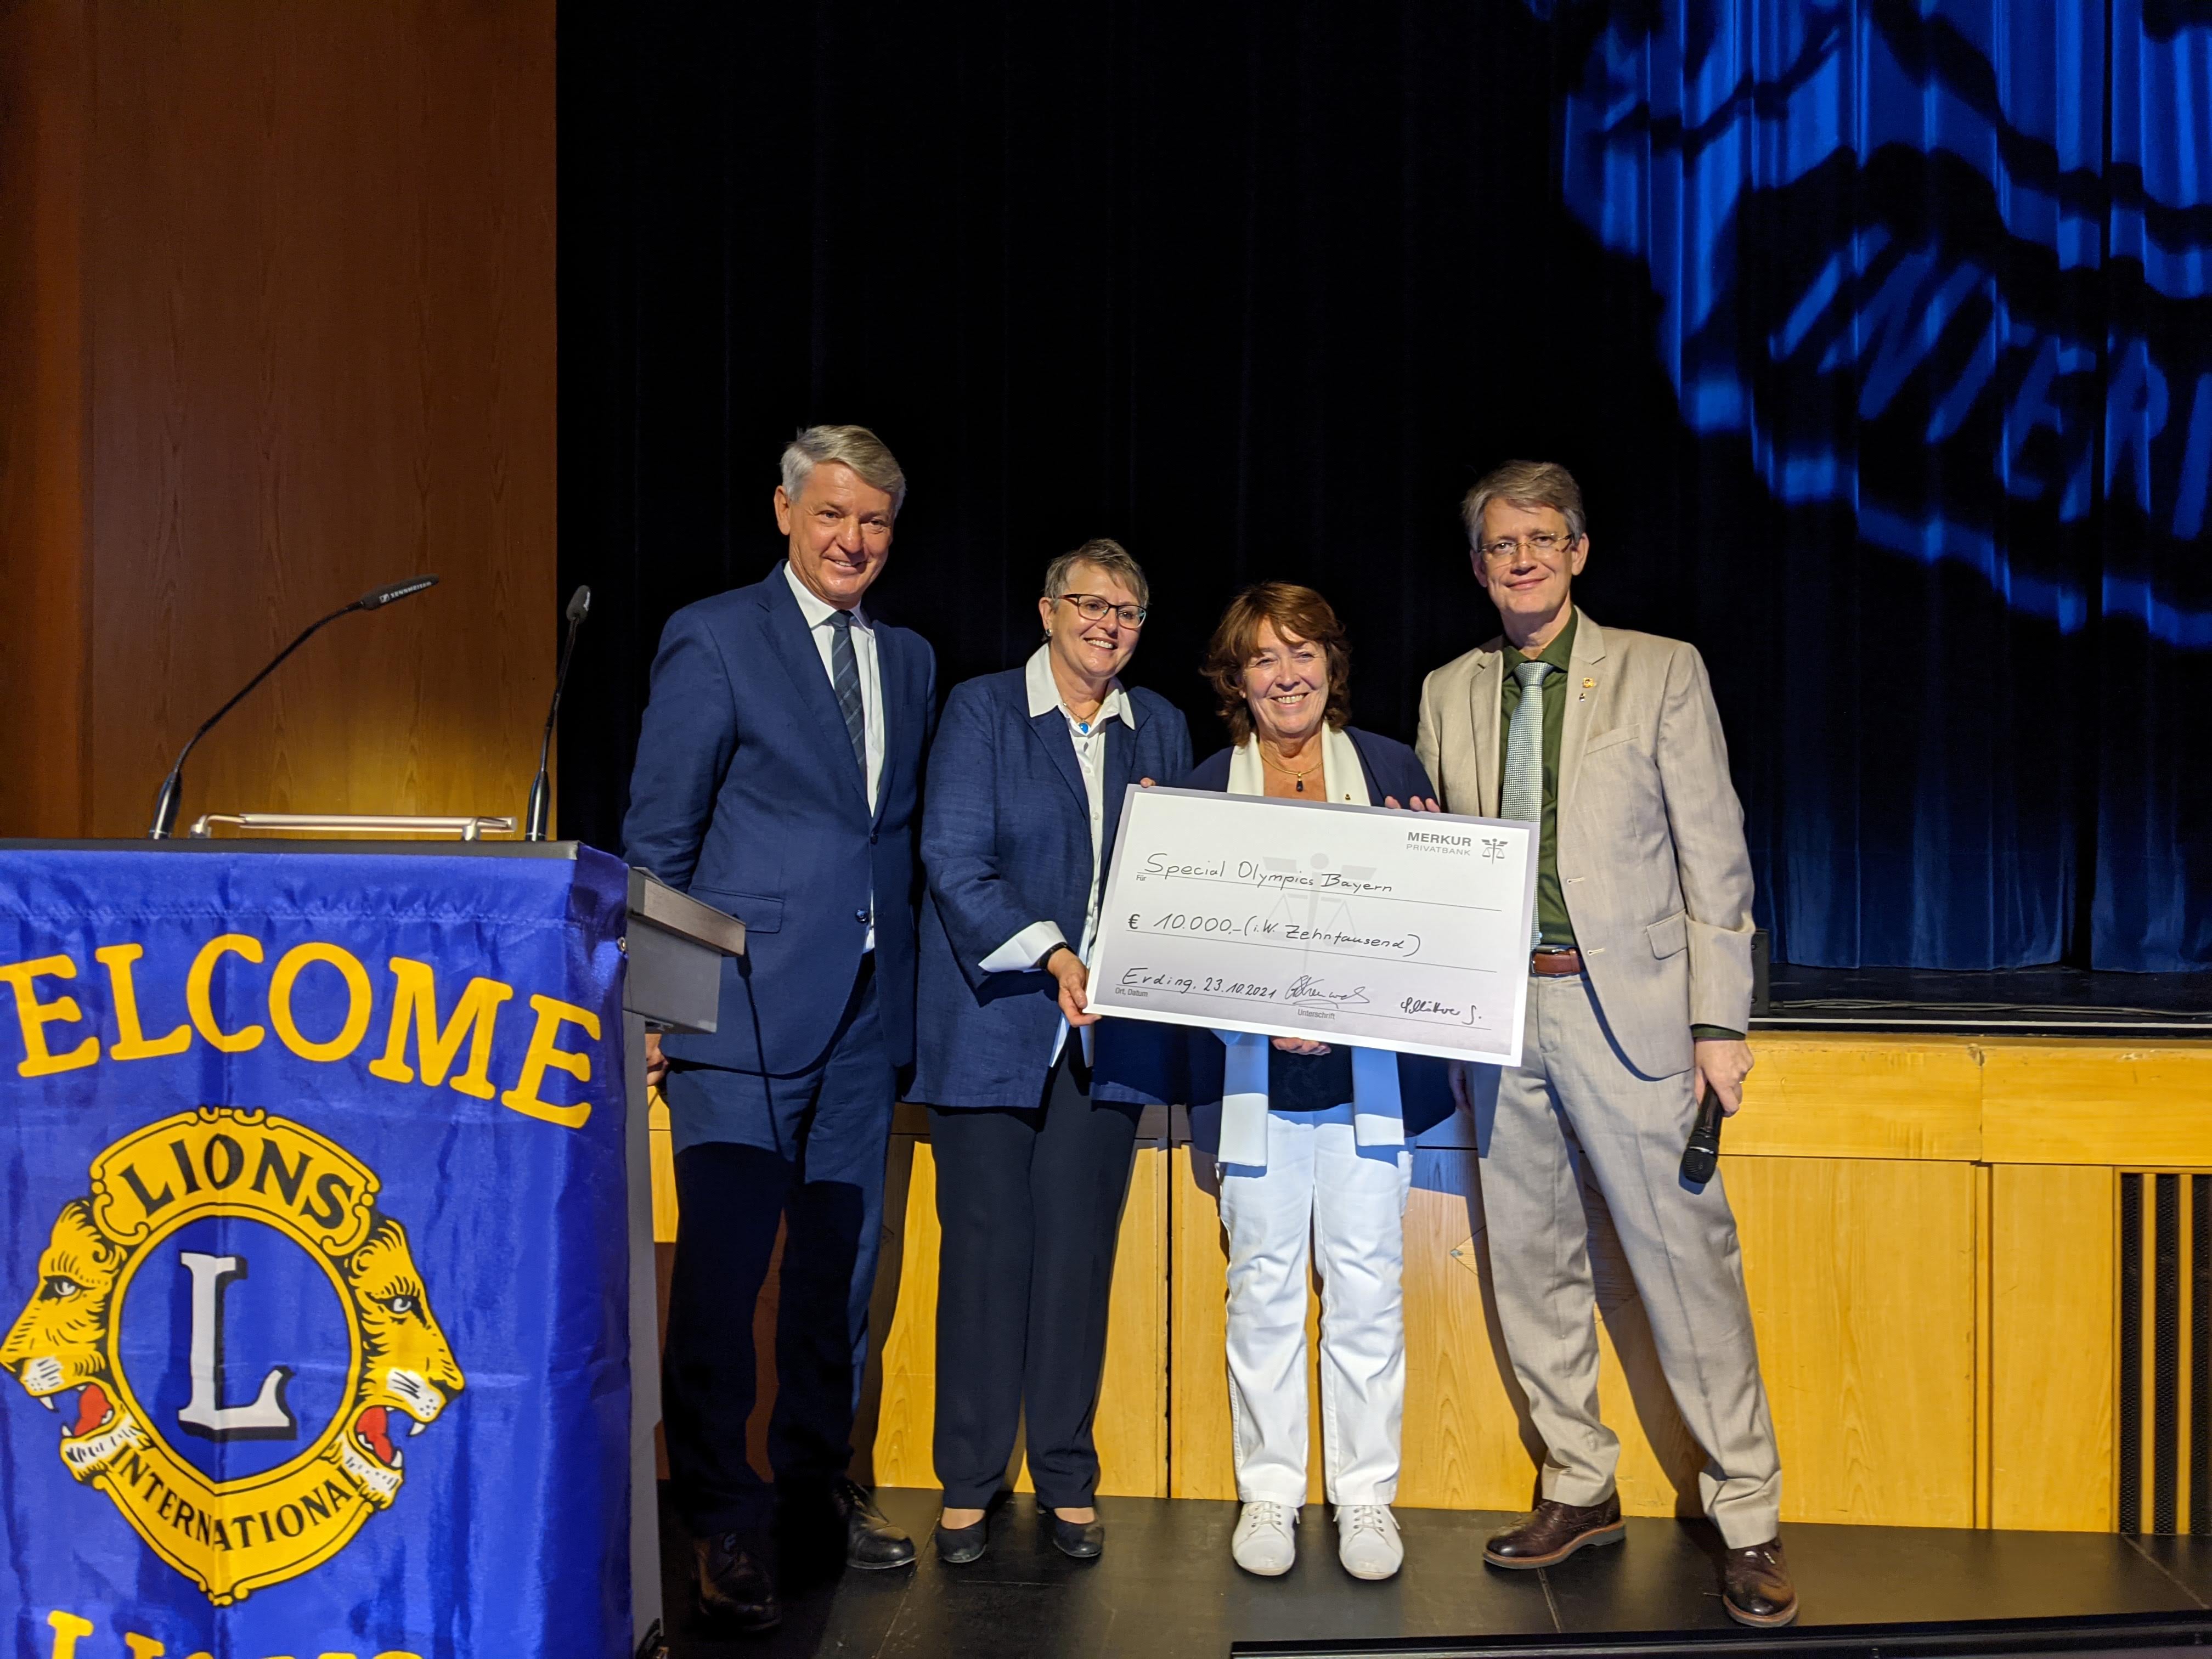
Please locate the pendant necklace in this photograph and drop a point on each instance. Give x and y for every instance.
(1297, 779)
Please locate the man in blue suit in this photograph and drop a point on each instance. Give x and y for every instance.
(778, 778)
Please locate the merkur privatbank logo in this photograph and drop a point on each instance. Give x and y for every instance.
(233, 1338)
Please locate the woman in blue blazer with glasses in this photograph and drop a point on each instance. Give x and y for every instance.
(1033, 1102)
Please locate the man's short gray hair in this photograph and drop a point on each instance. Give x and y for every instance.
(856, 447)
(1108, 555)
(1529, 485)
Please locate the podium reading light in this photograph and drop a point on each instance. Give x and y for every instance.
(172, 787)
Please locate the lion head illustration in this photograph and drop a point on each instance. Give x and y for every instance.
(55, 1347)
(407, 1367)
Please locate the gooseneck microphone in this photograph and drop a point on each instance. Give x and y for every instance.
(1702, 1155)
(172, 787)
(541, 790)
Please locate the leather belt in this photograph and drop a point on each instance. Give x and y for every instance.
(1554, 964)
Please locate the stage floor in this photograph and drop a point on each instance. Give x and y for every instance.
(2011, 1002)
(1166, 1588)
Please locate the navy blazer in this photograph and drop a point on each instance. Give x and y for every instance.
(1006, 843)
(746, 795)
(1389, 769)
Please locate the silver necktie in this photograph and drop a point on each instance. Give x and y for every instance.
(845, 681)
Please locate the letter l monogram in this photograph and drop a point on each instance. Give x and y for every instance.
(268, 1418)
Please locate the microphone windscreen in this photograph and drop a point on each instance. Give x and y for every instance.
(377, 598)
(580, 604)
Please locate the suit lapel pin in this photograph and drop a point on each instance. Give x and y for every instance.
(1590, 685)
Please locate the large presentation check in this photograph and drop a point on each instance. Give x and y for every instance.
(1358, 924)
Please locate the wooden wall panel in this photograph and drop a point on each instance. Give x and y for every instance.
(1875, 1411)
(2053, 1341)
(1467, 1442)
(1937, 1334)
(660, 1146)
(1199, 1463)
(1130, 1426)
(1998, 1100)
(1133, 1397)
(1918, 1098)
(1862, 1279)
(2147, 1105)
(899, 1396)
(45, 96)
(1812, 1095)
(315, 274)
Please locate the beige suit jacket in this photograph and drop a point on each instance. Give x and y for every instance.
(1651, 854)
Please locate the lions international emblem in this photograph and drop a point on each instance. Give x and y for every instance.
(233, 1338)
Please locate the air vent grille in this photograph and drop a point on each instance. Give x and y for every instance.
(2165, 1416)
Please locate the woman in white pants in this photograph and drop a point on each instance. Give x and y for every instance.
(1314, 1136)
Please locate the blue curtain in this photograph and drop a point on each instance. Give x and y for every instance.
(1878, 336)
(1934, 285)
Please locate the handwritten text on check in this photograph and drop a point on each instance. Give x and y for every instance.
(1350, 924)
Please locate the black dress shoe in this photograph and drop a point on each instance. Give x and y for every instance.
(871, 1542)
(1553, 1532)
(1083, 1540)
(958, 1545)
(735, 1588)
(1755, 1586)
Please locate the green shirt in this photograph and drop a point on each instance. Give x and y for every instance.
(1554, 926)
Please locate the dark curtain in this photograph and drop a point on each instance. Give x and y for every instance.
(1878, 340)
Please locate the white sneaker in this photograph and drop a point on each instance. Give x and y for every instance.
(1367, 1540)
(1264, 1542)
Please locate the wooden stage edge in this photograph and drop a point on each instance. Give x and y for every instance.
(1932, 1239)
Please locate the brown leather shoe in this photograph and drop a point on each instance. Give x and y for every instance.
(1755, 1586)
(1553, 1532)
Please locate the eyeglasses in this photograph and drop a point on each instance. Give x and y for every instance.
(1091, 608)
(1542, 544)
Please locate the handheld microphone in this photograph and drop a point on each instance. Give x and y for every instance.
(541, 789)
(172, 787)
(1701, 1156)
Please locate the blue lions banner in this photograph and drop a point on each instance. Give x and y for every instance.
(312, 1252)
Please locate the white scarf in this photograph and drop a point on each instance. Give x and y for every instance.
(1378, 1114)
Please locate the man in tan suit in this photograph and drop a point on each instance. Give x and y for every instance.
(1638, 1000)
